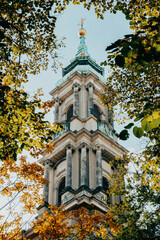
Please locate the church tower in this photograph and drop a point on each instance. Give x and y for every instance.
(78, 168)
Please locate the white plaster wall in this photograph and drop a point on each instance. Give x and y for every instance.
(83, 97)
(91, 124)
(76, 124)
(106, 169)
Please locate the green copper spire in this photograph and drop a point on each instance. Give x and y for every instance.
(83, 63)
(82, 49)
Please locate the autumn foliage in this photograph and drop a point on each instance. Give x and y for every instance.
(27, 39)
(76, 224)
(20, 184)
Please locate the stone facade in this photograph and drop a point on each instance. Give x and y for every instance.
(78, 168)
(87, 143)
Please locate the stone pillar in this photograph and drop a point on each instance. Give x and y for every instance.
(90, 87)
(56, 109)
(76, 88)
(47, 164)
(98, 167)
(69, 167)
(83, 165)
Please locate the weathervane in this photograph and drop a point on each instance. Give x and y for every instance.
(81, 22)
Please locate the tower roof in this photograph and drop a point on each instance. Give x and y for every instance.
(82, 57)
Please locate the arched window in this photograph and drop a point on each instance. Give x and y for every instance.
(70, 113)
(60, 189)
(106, 188)
(96, 112)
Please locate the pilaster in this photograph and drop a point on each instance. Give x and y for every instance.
(76, 88)
(47, 165)
(69, 166)
(90, 87)
(56, 102)
(84, 177)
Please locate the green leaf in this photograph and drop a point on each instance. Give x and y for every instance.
(120, 61)
(147, 106)
(146, 126)
(138, 132)
(137, 119)
(124, 135)
(129, 126)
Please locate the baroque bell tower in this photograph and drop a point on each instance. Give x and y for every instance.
(78, 168)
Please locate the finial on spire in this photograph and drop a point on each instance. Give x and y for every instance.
(82, 31)
(81, 22)
(82, 50)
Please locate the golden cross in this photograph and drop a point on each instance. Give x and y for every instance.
(81, 22)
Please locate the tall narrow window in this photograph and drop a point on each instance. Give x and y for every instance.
(60, 189)
(106, 188)
(96, 112)
(70, 113)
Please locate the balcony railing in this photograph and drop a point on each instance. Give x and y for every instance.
(103, 127)
(66, 128)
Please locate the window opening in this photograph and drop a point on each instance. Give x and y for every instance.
(106, 188)
(70, 113)
(96, 112)
(60, 189)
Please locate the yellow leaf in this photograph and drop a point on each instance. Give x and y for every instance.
(156, 114)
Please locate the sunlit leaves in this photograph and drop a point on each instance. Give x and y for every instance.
(138, 183)
(78, 224)
(21, 182)
(27, 33)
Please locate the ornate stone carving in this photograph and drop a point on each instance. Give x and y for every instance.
(90, 85)
(69, 146)
(48, 162)
(76, 86)
(57, 100)
(83, 144)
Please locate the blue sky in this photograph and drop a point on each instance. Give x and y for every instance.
(100, 34)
